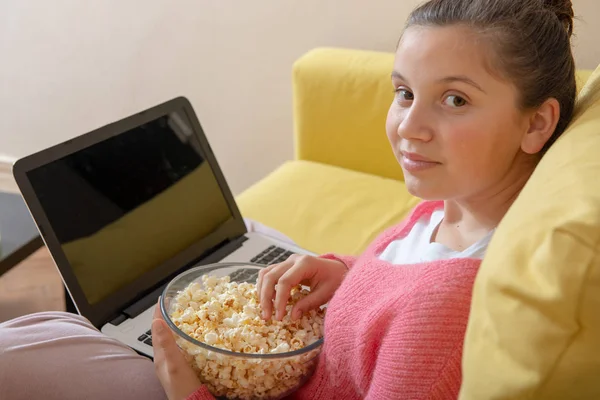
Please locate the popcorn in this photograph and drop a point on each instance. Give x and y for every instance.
(226, 315)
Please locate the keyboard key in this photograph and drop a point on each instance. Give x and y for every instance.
(243, 275)
(142, 338)
(148, 341)
(271, 255)
(149, 333)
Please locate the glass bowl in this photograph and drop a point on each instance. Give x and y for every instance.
(235, 375)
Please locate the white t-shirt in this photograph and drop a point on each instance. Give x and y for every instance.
(417, 246)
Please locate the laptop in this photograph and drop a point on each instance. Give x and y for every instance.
(125, 208)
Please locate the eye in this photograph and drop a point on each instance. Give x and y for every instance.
(404, 95)
(455, 101)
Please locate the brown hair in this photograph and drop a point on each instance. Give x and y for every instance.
(532, 43)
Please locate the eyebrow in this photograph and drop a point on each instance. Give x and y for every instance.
(462, 78)
(396, 74)
(448, 79)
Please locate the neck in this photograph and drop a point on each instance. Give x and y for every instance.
(483, 212)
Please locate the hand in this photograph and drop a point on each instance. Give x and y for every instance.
(174, 373)
(276, 281)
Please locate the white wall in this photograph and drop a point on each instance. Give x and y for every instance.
(69, 66)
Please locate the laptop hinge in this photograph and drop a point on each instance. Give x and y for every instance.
(119, 320)
(215, 254)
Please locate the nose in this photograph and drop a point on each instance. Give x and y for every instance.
(416, 124)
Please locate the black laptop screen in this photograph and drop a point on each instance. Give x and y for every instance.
(123, 206)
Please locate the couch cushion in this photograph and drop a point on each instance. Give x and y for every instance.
(325, 208)
(534, 330)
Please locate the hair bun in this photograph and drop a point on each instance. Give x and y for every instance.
(564, 12)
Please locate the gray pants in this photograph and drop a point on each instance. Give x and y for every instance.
(61, 356)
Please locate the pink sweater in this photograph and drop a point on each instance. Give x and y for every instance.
(393, 332)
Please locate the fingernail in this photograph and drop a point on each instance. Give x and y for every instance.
(298, 314)
(265, 315)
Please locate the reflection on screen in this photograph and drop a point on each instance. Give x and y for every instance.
(124, 206)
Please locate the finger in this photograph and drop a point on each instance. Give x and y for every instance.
(157, 313)
(162, 338)
(300, 272)
(317, 297)
(267, 290)
(266, 270)
(164, 346)
(282, 295)
(261, 274)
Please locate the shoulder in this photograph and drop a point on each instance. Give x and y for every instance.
(423, 210)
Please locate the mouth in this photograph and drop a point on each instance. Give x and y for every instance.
(413, 162)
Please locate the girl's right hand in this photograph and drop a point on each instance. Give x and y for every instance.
(276, 281)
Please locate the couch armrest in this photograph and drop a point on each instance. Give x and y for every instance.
(341, 98)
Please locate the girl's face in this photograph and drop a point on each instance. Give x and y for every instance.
(454, 127)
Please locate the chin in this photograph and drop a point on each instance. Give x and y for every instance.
(424, 191)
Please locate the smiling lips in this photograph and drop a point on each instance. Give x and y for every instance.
(413, 162)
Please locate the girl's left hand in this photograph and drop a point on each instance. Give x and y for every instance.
(174, 373)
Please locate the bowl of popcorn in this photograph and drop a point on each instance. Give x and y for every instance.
(215, 316)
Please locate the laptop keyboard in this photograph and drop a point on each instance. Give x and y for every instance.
(146, 338)
(271, 255)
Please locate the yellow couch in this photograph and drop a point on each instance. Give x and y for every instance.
(344, 186)
(534, 327)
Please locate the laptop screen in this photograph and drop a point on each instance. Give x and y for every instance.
(126, 205)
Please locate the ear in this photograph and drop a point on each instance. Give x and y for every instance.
(542, 124)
